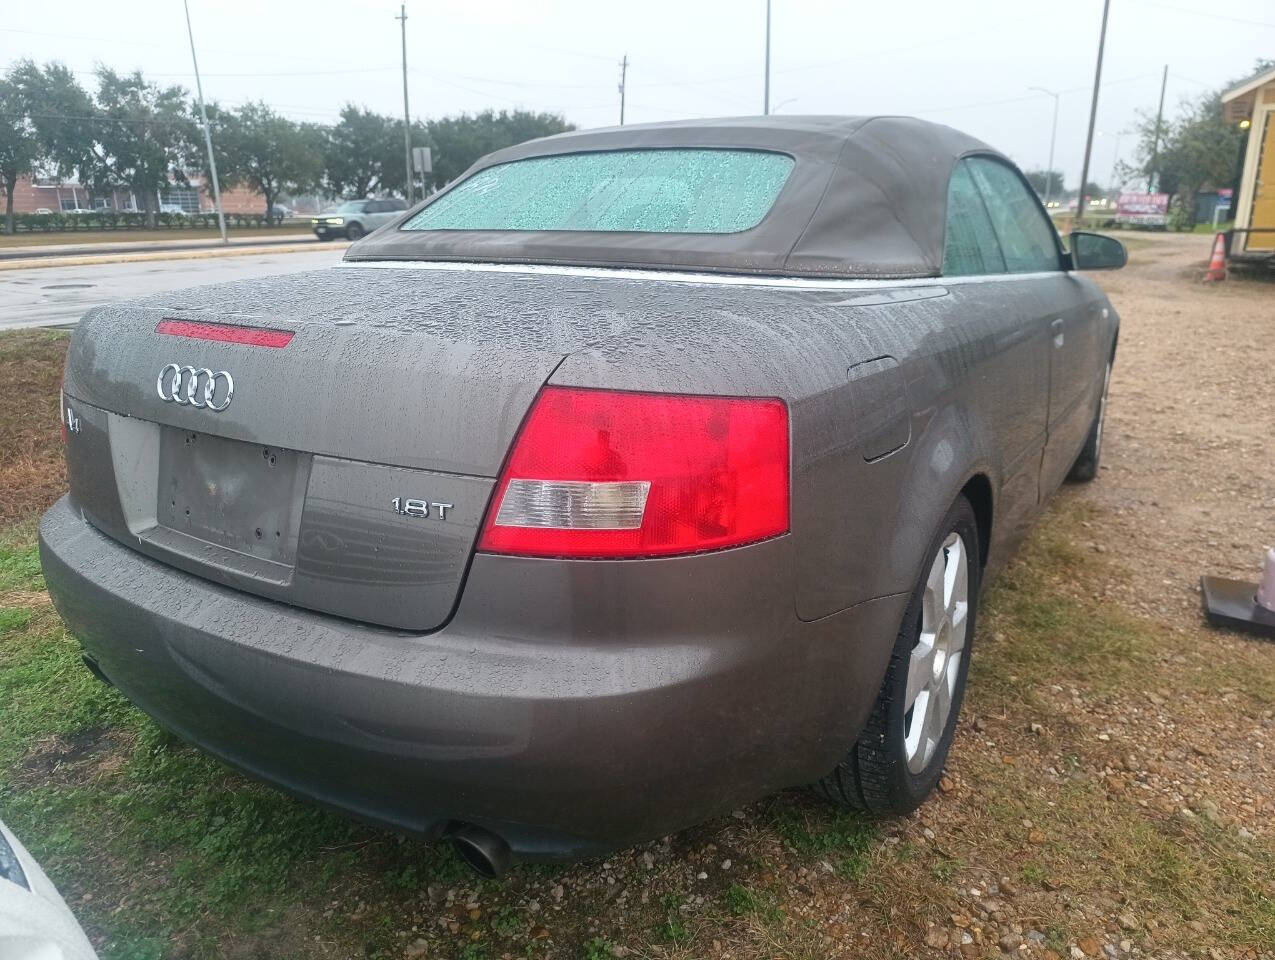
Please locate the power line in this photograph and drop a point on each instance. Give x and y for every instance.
(1206, 14)
(866, 55)
(117, 41)
(277, 73)
(527, 83)
(571, 53)
(101, 118)
(1024, 99)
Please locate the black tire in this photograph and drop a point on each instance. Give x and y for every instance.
(354, 231)
(875, 776)
(1086, 466)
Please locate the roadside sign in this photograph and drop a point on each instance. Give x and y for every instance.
(422, 160)
(1143, 209)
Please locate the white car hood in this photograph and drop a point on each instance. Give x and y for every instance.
(35, 923)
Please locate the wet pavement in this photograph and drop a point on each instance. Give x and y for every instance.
(59, 296)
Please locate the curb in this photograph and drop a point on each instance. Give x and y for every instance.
(86, 260)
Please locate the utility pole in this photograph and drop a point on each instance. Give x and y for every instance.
(1093, 111)
(203, 115)
(765, 108)
(1053, 137)
(624, 71)
(1155, 147)
(407, 122)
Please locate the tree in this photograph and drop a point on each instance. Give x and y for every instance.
(359, 151)
(18, 150)
(62, 116)
(146, 137)
(458, 141)
(268, 153)
(1045, 182)
(1198, 148)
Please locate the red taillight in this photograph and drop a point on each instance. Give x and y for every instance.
(225, 333)
(599, 473)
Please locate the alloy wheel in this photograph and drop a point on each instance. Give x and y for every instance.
(935, 663)
(1102, 411)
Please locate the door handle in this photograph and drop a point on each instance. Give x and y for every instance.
(1056, 328)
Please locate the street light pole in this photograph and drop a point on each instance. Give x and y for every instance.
(1093, 111)
(766, 96)
(203, 116)
(407, 121)
(1053, 137)
(624, 75)
(1159, 119)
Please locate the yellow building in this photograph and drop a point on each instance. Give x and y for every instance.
(1253, 104)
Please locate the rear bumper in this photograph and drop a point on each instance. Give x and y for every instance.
(570, 707)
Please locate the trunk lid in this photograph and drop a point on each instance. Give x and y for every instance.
(350, 469)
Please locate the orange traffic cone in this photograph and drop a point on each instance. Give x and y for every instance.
(1217, 265)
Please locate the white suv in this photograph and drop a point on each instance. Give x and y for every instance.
(354, 218)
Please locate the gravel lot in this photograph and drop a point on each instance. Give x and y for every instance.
(1187, 487)
(1110, 794)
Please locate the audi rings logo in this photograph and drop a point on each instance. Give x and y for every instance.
(197, 386)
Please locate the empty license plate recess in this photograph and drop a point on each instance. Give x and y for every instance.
(243, 497)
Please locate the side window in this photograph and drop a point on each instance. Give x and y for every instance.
(969, 244)
(1027, 238)
(374, 206)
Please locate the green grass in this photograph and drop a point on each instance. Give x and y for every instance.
(1208, 228)
(20, 569)
(138, 236)
(743, 901)
(599, 948)
(673, 928)
(817, 830)
(185, 859)
(98, 791)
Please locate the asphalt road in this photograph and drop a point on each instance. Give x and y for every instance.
(59, 296)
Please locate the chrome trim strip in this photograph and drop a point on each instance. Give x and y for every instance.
(677, 276)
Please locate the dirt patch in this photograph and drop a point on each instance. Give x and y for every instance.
(32, 472)
(74, 759)
(25, 598)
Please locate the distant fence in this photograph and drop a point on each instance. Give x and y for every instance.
(128, 220)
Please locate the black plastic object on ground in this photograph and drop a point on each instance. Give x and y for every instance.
(1233, 604)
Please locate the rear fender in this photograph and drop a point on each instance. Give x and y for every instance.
(952, 448)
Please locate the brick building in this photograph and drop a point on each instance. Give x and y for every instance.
(31, 195)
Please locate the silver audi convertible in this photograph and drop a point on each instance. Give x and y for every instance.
(639, 473)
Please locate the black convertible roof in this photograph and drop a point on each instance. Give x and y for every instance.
(866, 198)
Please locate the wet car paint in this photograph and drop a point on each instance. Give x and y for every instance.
(568, 705)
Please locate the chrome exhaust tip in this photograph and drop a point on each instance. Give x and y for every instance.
(482, 850)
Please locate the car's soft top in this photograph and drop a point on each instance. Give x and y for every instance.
(865, 198)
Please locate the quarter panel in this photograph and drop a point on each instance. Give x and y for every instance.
(973, 371)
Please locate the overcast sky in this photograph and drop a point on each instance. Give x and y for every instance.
(969, 64)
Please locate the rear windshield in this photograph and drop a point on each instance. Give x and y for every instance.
(643, 191)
